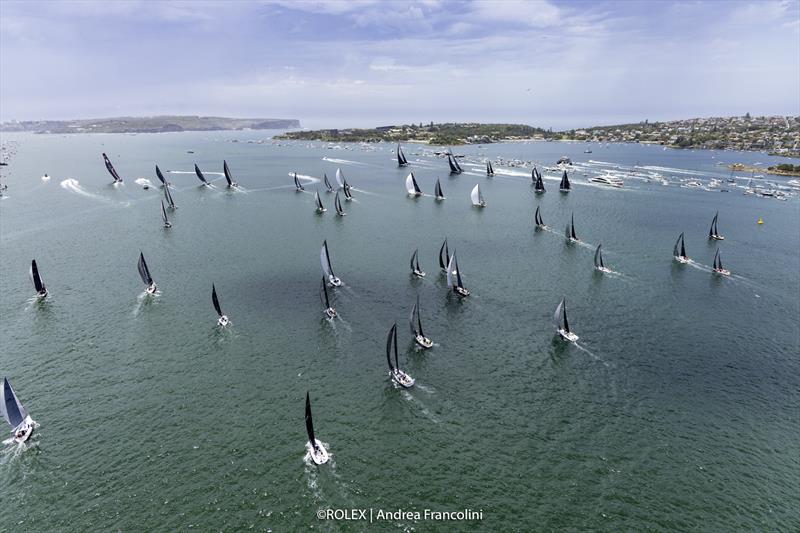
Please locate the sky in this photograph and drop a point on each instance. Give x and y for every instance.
(364, 63)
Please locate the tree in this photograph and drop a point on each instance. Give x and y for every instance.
(747, 115)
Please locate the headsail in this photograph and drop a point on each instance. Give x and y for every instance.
(450, 266)
(164, 214)
(438, 190)
(598, 257)
(144, 272)
(457, 270)
(477, 197)
(161, 178)
(168, 196)
(323, 294)
(12, 408)
(200, 174)
(489, 169)
(414, 321)
(683, 247)
(215, 300)
(564, 186)
(444, 260)
(37, 280)
(327, 183)
(560, 316)
(338, 204)
(391, 337)
(111, 169)
(310, 423)
(297, 184)
(411, 185)
(676, 248)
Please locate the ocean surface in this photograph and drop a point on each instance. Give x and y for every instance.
(677, 410)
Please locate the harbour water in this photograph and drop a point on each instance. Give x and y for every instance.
(677, 409)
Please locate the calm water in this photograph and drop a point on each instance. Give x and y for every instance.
(677, 410)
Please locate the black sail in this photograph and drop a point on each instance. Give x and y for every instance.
(310, 423)
(564, 182)
(389, 346)
(111, 169)
(453, 168)
(37, 280)
(458, 270)
(401, 157)
(161, 177)
(572, 228)
(215, 300)
(200, 174)
(446, 259)
(438, 190)
(683, 248)
(413, 257)
(327, 183)
(144, 272)
(566, 322)
(338, 203)
(323, 293)
(227, 173)
(713, 229)
(164, 214)
(598, 257)
(419, 318)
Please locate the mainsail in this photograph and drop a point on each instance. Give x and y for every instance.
(392, 337)
(401, 157)
(564, 186)
(438, 190)
(560, 316)
(598, 257)
(712, 231)
(327, 183)
(538, 184)
(215, 300)
(144, 272)
(572, 235)
(414, 321)
(168, 196)
(717, 261)
(319, 201)
(340, 179)
(297, 184)
(111, 169)
(338, 204)
(200, 174)
(161, 178)
(444, 260)
(37, 280)
(325, 259)
(227, 172)
(477, 197)
(323, 294)
(415, 261)
(164, 214)
(310, 424)
(537, 217)
(12, 408)
(679, 250)
(489, 169)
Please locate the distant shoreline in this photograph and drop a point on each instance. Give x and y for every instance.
(156, 124)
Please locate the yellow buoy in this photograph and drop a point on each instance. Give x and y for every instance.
(760, 220)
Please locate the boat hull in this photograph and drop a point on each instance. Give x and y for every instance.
(401, 378)
(567, 335)
(423, 342)
(318, 454)
(223, 321)
(330, 312)
(682, 260)
(461, 291)
(419, 273)
(722, 272)
(334, 281)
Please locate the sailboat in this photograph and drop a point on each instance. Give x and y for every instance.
(598, 261)
(455, 168)
(538, 184)
(561, 323)
(477, 197)
(489, 169)
(564, 186)
(401, 157)
(147, 279)
(297, 185)
(329, 310)
(397, 375)
(167, 223)
(328, 185)
(438, 190)
(318, 200)
(679, 251)
(411, 185)
(111, 169)
(537, 219)
(338, 205)
(340, 179)
(200, 176)
(164, 182)
(223, 319)
(718, 269)
(570, 233)
(168, 196)
(713, 233)
(454, 277)
(416, 328)
(38, 284)
(415, 265)
(315, 449)
(325, 259)
(228, 177)
(444, 260)
(15, 414)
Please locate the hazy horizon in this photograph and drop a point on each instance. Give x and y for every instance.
(330, 63)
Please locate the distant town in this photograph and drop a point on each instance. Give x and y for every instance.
(157, 124)
(777, 135)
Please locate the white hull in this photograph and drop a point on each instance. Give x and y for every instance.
(24, 431)
(41, 295)
(401, 378)
(223, 321)
(334, 281)
(722, 272)
(440, 198)
(167, 225)
(423, 342)
(321, 210)
(567, 335)
(716, 237)
(605, 270)
(419, 273)
(151, 289)
(571, 240)
(682, 260)
(317, 454)
(330, 312)
(461, 291)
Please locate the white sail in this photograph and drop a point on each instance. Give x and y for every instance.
(11, 407)
(557, 315)
(450, 281)
(340, 178)
(476, 195)
(410, 184)
(323, 257)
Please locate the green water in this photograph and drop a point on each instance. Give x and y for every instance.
(677, 410)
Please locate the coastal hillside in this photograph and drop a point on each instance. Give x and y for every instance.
(155, 124)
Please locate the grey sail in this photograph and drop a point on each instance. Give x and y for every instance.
(537, 217)
(319, 201)
(227, 173)
(297, 183)
(215, 300)
(37, 279)
(415, 322)
(572, 228)
(413, 259)
(338, 204)
(111, 169)
(168, 196)
(200, 174)
(557, 314)
(164, 214)
(12, 408)
(676, 248)
(310, 423)
(325, 259)
(392, 335)
(401, 157)
(598, 257)
(161, 177)
(444, 259)
(144, 272)
(327, 183)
